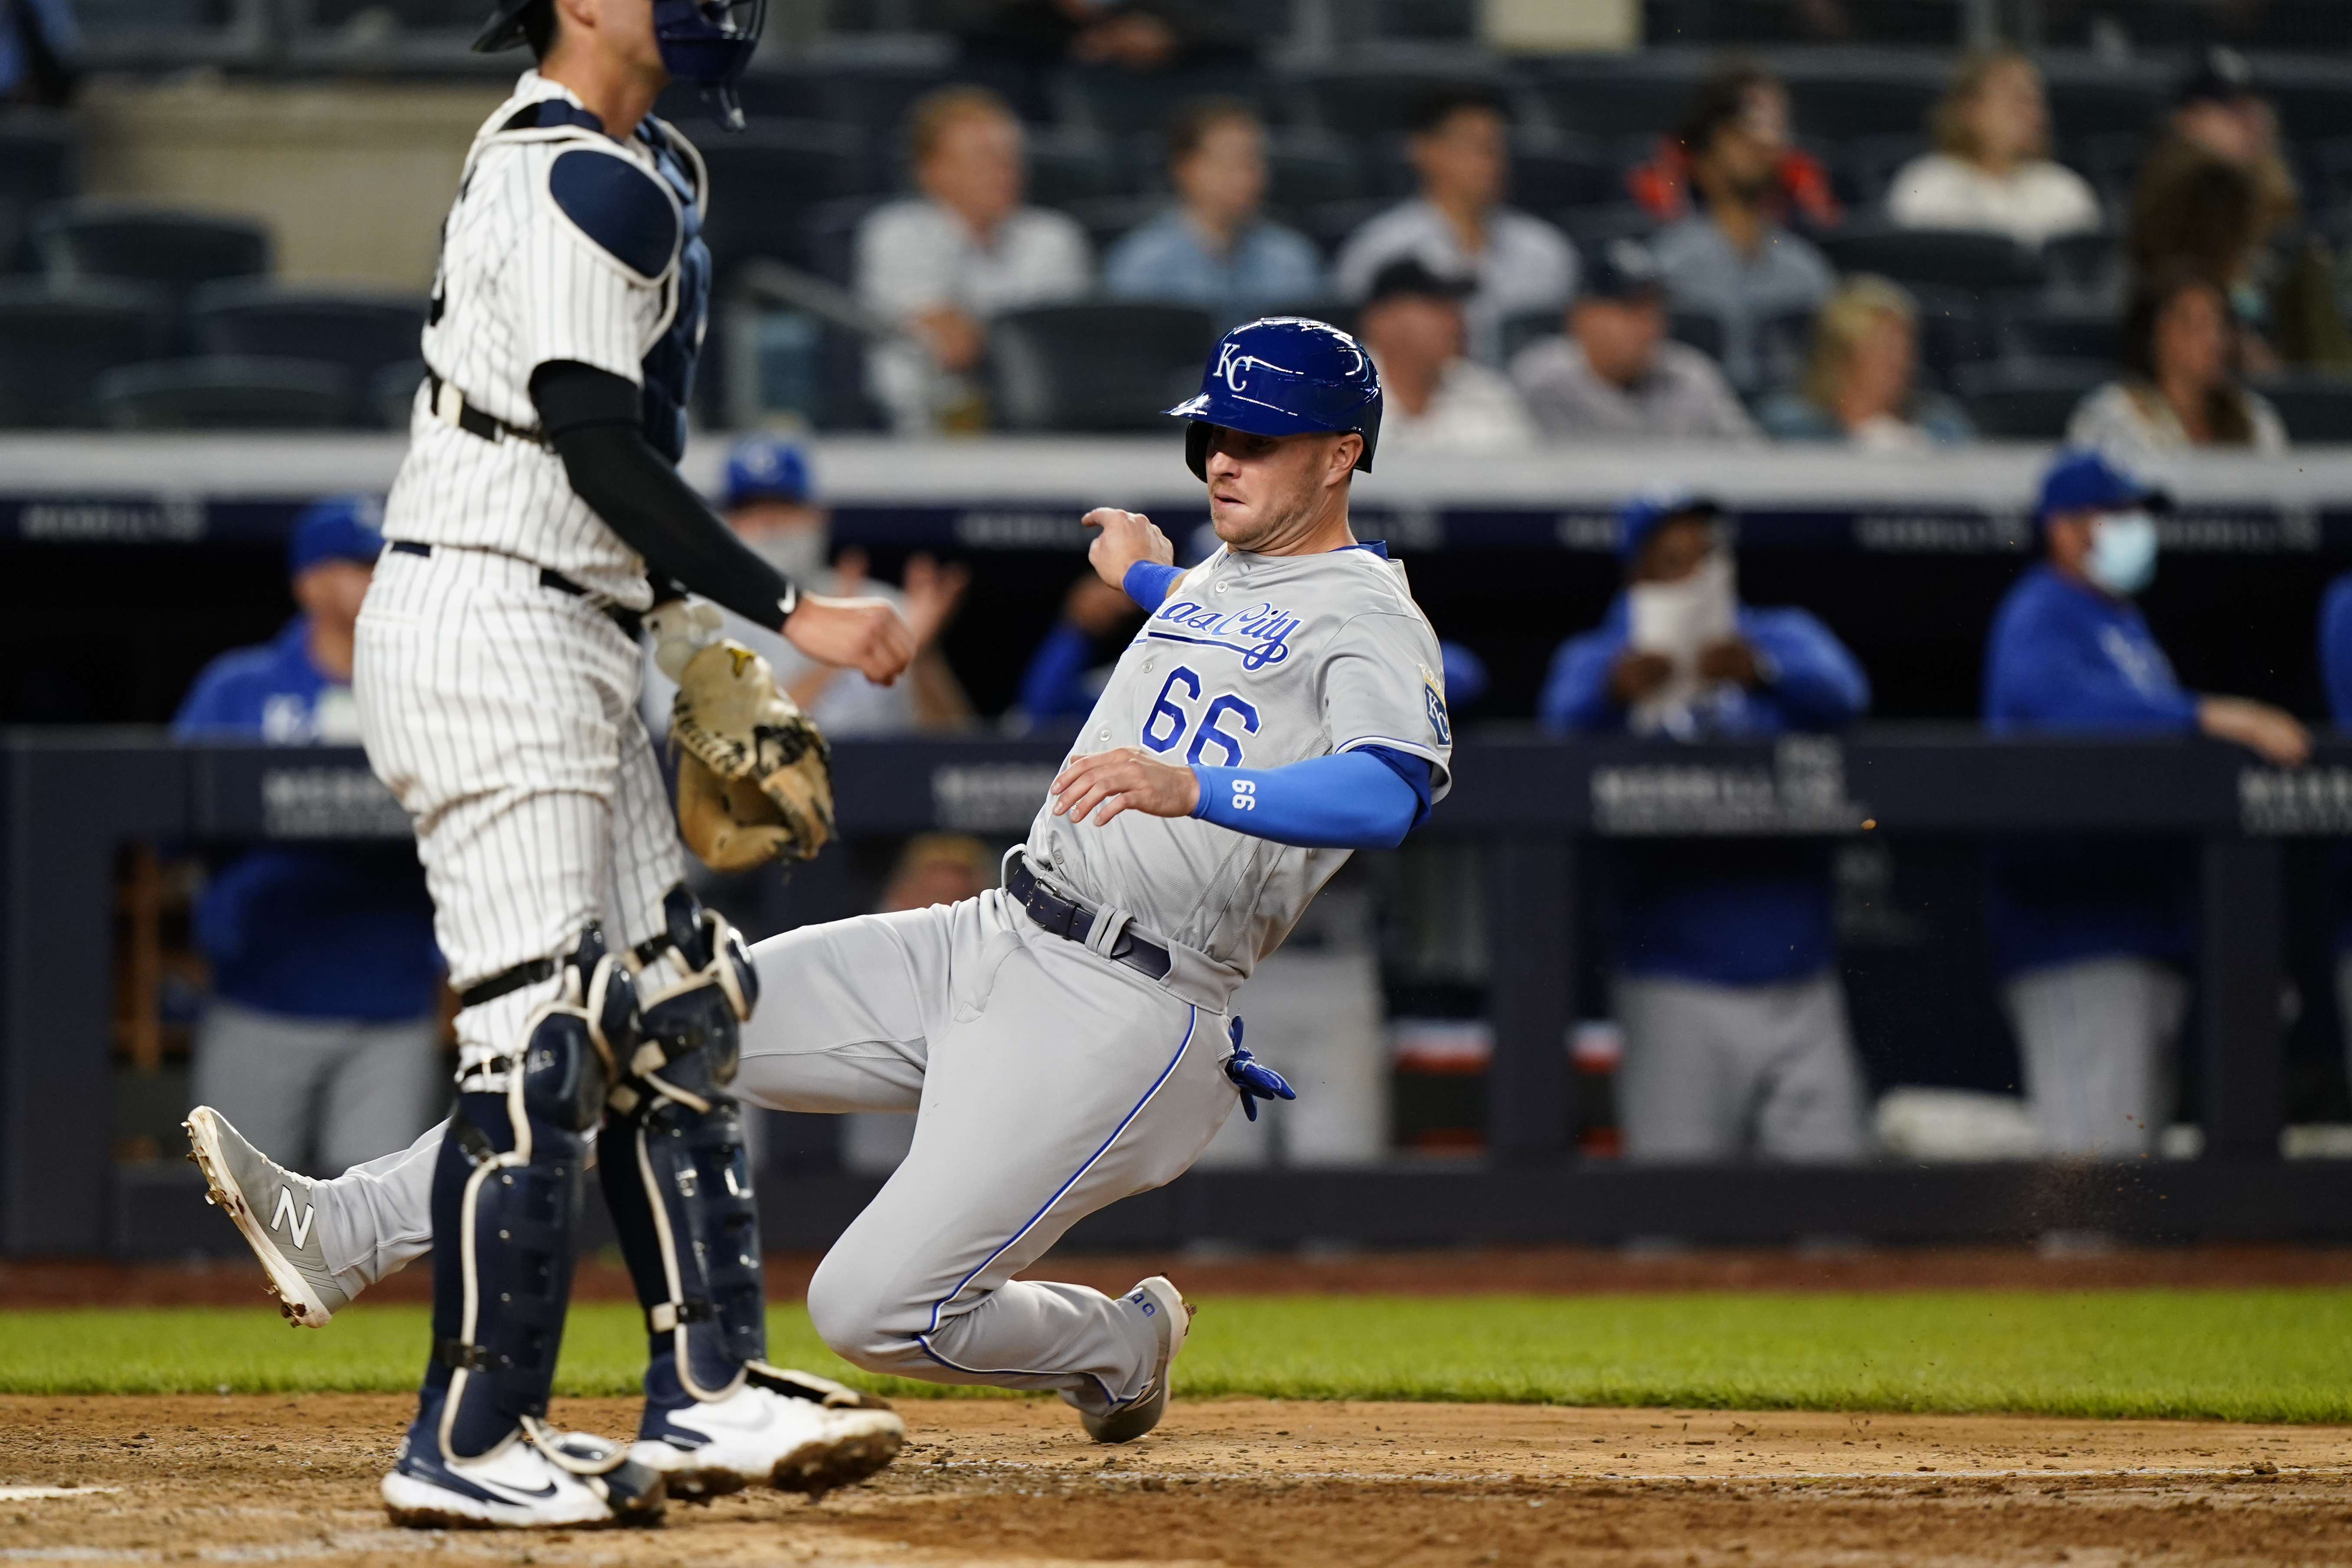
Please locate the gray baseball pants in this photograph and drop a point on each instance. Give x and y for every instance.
(1047, 1082)
(1729, 1072)
(324, 1093)
(2095, 1040)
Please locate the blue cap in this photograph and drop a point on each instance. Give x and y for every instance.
(766, 468)
(2084, 479)
(1284, 375)
(1647, 508)
(341, 528)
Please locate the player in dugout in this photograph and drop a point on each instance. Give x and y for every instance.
(2088, 937)
(1723, 952)
(322, 1033)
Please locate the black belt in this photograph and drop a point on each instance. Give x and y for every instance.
(630, 622)
(451, 405)
(1067, 921)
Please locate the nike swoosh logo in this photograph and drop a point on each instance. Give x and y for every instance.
(516, 1494)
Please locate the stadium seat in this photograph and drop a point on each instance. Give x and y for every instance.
(1370, 102)
(1958, 258)
(1588, 227)
(362, 332)
(1108, 219)
(57, 339)
(1837, 100)
(2099, 99)
(769, 177)
(1952, 330)
(1868, 165)
(2083, 266)
(2317, 409)
(1094, 367)
(2110, 161)
(39, 163)
(1119, 103)
(2311, 108)
(1783, 343)
(829, 235)
(227, 393)
(2028, 400)
(1618, 96)
(1073, 165)
(173, 250)
(2038, 330)
(1550, 173)
(1330, 225)
(1307, 167)
(875, 99)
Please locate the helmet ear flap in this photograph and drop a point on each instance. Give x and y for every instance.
(1196, 449)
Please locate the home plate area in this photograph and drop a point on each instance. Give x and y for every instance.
(258, 1478)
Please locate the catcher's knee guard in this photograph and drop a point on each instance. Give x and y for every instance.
(676, 1173)
(507, 1195)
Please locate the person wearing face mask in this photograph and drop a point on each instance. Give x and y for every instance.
(1723, 952)
(2089, 938)
(771, 503)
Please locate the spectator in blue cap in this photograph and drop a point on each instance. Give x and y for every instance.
(2089, 938)
(1723, 953)
(322, 1033)
(770, 500)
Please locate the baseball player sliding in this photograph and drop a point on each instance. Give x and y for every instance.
(1065, 1038)
(496, 674)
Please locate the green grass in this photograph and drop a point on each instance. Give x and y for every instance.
(2248, 1355)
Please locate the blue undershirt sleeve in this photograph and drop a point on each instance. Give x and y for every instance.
(1148, 581)
(1365, 799)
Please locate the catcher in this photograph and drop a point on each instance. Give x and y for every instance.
(497, 672)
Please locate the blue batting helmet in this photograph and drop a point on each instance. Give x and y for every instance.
(766, 468)
(1284, 375)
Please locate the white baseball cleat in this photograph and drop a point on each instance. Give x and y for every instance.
(515, 1486)
(757, 1435)
(1171, 1318)
(277, 1212)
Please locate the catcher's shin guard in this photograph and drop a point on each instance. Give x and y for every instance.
(506, 1207)
(677, 1175)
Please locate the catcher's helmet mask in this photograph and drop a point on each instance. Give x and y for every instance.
(1284, 375)
(701, 41)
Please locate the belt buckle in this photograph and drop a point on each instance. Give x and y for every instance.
(448, 404)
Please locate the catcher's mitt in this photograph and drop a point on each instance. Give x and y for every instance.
(755, 775)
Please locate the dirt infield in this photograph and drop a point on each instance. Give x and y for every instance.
(1536, 1270)
(268, 1479)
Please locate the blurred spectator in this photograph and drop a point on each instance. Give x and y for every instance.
(1991, 167)
(2188, 206)
(322, 1036)
(1065, 674)
(40, 52)
(1459, 139)
(1860, 384)
(1723, 952)
(2335, 673)
(1215, 248)
(771, 503)
(966, 249)
(2088, 937)
(1435, 399)
(1733, 260)
(1798, 185)
(2180, 385)
(1616, 376)
(1135, 35)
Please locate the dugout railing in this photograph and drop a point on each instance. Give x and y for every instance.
(71, 801)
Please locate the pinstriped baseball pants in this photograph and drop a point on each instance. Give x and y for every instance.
(502, 714)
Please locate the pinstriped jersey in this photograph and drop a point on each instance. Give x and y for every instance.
(564, 244)
(1252, 661)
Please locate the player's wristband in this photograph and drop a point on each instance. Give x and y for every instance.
(1147, 582)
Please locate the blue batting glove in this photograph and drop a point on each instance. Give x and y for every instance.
(1256, 1080)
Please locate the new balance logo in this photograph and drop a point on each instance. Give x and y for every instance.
(284, 1218)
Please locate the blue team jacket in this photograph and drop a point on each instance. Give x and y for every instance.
(2335, 670)
(311, 931)
(1729, 912)
(2063, 656)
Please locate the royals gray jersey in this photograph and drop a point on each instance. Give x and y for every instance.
(1252, 661)
(564, 244)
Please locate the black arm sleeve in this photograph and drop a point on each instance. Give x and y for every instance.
(590, 417)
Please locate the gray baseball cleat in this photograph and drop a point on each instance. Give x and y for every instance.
(276, 1210)
(1171, 1318)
